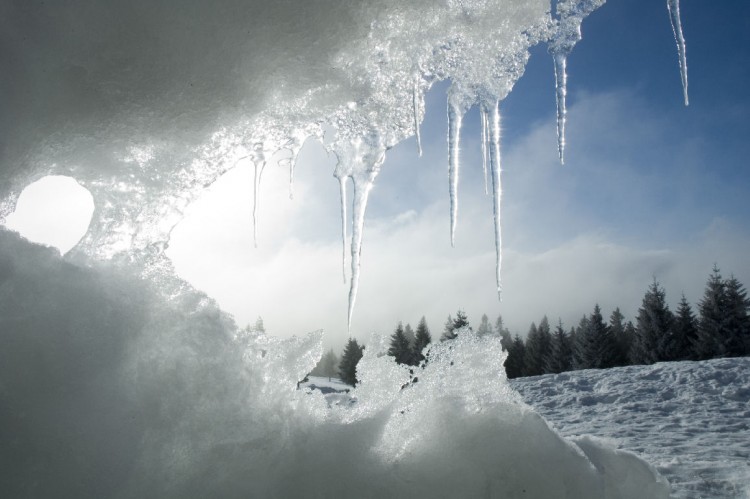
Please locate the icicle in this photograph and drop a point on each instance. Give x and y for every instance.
(571, 14)
(342, 190)
(294, 146)
(361, 193)
(416, 110)
(292, 163)
(485, 138)
(454, 128)
(363, 182)
(256, 189)
(561, 81)
(258, 157)
(494, 143)
(674, 16)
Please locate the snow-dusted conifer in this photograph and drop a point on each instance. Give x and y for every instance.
(484, 326)
(685, 331)
(579, 340)
(448, 329)
(399, 347)
(502, 331)
(737, 342)
(327, 365)
(606, 348)
(621, 339)
(712, 322)
(538, 344)
(653, 334)
(514, 364)
(560, 354)
(453, 325)
(421, 340)
(409, 333)
(596, 347)
(349, 360)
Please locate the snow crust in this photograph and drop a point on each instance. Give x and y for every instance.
(691, 420)
(109, 389)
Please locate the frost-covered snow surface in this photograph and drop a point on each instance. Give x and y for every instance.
(691, 420)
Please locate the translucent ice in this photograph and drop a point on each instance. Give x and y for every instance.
(674, 17)
(570, 15)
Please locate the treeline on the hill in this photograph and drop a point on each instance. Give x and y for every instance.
(721, 329)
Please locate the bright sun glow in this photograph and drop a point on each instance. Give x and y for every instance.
(54, 211)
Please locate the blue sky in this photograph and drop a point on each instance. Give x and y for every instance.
(650, 188)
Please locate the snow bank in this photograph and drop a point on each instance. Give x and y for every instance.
(107, 389)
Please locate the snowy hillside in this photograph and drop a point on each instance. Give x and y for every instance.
(691, 420)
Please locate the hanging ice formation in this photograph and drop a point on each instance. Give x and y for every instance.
(359, 159)
(455, 116)
(416, 101)
(258, 158)
(570, 15)
(674, 17)
(150, 129)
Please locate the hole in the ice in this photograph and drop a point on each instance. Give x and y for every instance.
(55, 211)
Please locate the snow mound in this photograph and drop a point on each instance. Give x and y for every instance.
(107, 389)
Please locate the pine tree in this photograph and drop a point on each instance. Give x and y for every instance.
(560, 354)
(453, 325)
(461, 320)
(538, 343)
(400, 348)
(327, 365)
(514, 364)
(579, 340)
(622, 341)
(421, 340)
(737, 341)
(606, 348)
(502, 331)
(448, 330)
(712, 328)
(259, 327)
(484, 326)
(596, 347)
(410, 336)
(653, 334)
(629, 340)
(349, 360)
(685, 331)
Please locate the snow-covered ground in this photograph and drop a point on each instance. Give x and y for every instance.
(691, 420)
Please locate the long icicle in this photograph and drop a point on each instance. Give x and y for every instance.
(416, 110)
(342, 190)
(485, 139)
(494, 144)
(454, 129)
(561, 82)
(256, 201)
(361, 193)
(674, 16)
